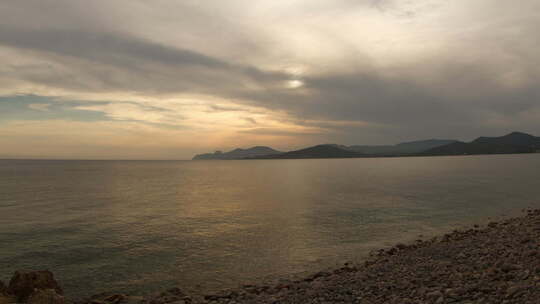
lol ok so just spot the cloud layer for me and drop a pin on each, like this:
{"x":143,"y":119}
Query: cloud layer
{"x":192,"y":76}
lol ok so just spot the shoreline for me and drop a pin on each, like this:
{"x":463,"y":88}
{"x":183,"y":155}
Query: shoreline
{"x":314,"y":158}
{"x":495,"y":263}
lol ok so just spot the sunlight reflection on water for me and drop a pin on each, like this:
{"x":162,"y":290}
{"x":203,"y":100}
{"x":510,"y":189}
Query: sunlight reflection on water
{"x":144,"y":226}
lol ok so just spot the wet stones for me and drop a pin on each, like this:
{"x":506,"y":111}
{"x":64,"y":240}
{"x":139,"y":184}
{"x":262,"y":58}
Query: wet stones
{"x":496,"y":264}
{"x":107,"y":298}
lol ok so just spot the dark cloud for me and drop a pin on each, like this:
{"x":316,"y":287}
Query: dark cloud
{"x":42,"y":108}
{"x":281,"y":132}
{"x":104,"y":47}
{"x":142,"y":65}
{"x":250,"y":120}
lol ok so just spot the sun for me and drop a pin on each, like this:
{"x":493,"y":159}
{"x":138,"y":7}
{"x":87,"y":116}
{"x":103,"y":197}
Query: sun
{"x":294,"y":84}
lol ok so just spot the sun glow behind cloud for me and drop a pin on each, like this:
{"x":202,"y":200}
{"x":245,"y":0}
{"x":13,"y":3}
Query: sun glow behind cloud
{"x":295,"y":84}
{"x":199,"y":76}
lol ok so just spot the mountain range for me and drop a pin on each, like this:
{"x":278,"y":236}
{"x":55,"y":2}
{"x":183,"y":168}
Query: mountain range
{"x":515,"y":142}
{"x":238,"y":153}
{"x":403,"y":148}
{"x":319,"y":151}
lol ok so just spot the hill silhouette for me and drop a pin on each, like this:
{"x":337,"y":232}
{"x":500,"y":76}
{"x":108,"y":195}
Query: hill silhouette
{"x":238,"y":153}
{"x":515,"y":142}
{"x":319,"y":151}
{"x":403,"y":148}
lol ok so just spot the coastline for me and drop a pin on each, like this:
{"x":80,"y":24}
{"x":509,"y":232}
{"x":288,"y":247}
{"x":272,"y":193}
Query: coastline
{"x":496,"y":263}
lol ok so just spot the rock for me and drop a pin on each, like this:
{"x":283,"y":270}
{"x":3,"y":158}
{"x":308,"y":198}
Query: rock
{"x":115,"y":298}
{"x":45,"y":296}
{"x":492,"y":224}
{"x":401,"y":246}
{"x":173,"y":295}
{"x":7,"y":299}
{"x":176,"y":291}
{"x":132,"y":300}
{"x":434,"y":295}
{"x":512,"y":291}
{"x":508,"y":267}
{"x":22,"y":284}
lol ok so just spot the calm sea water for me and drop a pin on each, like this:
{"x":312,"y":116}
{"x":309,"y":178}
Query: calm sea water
{"x":142,"y":226}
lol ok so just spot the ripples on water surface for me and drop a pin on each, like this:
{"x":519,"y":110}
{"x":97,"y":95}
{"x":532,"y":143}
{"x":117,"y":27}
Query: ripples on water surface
{"x":137,"y":226}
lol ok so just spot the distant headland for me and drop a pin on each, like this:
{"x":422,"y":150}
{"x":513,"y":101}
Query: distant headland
{"x":515,"y":142}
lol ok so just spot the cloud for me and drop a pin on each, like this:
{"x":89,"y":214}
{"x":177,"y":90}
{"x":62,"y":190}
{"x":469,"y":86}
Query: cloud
{"x":357,"y":72}
{"x":89,"y":61}
{"x":135,"y":112}
{"x":39,"y":106}
{"x":250,"y":120}
{"x":284,"y":132}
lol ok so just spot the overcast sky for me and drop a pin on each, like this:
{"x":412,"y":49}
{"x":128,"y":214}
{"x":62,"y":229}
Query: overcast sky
{"x":164,"y":79}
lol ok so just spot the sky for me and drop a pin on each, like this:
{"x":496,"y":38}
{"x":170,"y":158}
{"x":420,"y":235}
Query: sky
{"x":166,"y":79}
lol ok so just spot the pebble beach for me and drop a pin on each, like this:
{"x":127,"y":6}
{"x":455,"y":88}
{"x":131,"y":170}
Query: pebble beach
{"x":495,"y":263}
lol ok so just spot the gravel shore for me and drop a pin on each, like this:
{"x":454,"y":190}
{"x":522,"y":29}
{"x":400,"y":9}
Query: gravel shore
{"x":498,"y":263}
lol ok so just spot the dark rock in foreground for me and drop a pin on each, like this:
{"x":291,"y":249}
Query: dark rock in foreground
{"x":45,"y":296}
{"x":23,"y":284}
{"x":3,"y":288}
{"x":35,"y":287}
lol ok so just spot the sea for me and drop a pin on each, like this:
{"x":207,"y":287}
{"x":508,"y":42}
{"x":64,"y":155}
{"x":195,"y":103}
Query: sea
{"x":139,"y":227}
